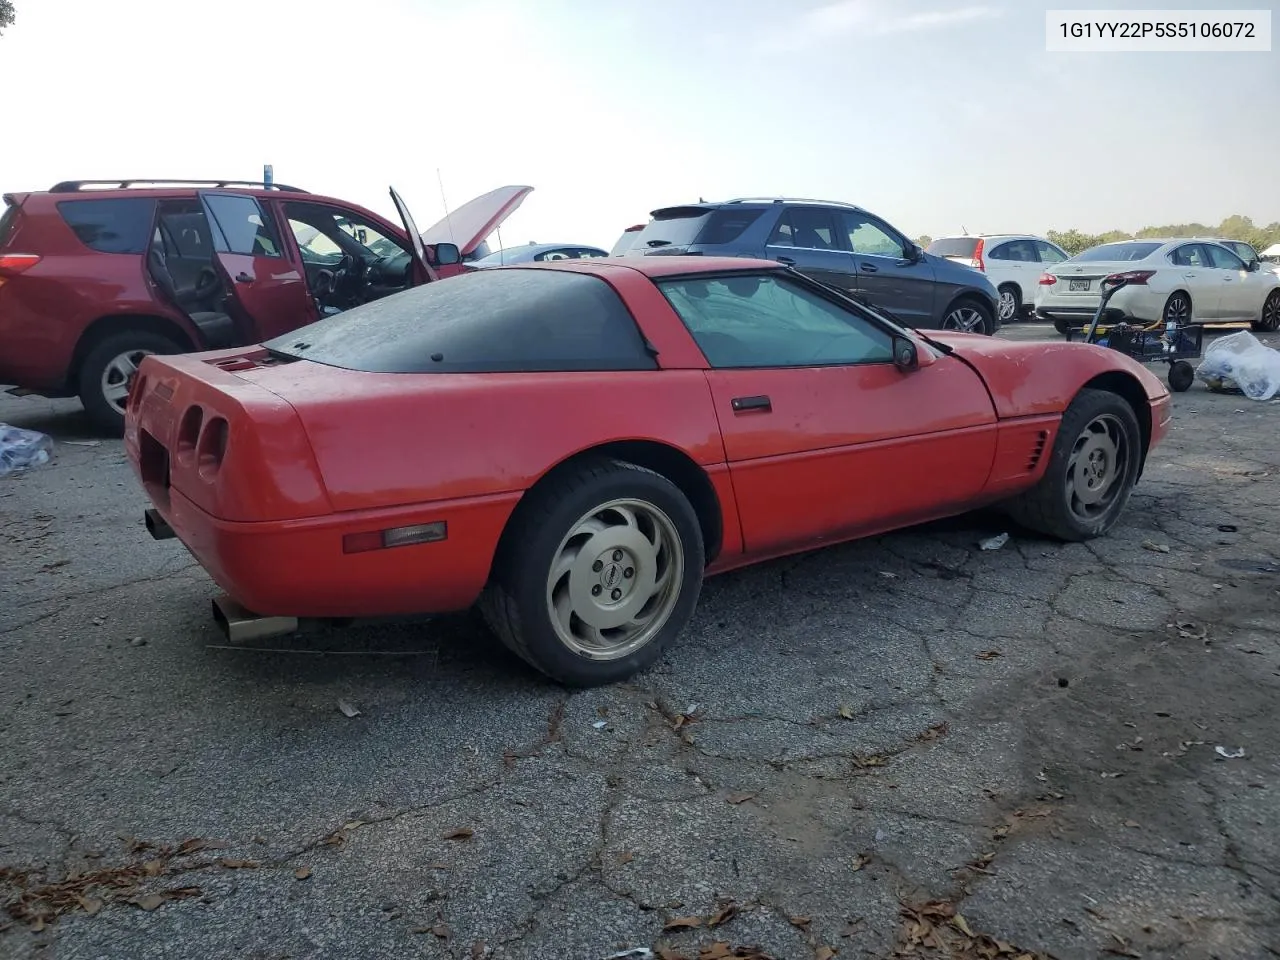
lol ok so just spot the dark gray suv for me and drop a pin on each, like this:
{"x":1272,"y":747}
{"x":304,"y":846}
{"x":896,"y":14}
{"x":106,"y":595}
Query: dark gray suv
{"x":836,"y":243}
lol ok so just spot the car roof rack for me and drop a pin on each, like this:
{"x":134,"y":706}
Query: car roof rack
{"x":72,"y":186}
{"x":826,"y":203}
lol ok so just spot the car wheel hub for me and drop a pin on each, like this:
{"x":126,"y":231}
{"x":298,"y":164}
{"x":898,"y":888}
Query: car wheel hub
{"x":1096,"y":466}
{"x":964,"y":319}
{"x":118,"y":375}
{"x":1006,"y":306}
{"x":615,"y":579}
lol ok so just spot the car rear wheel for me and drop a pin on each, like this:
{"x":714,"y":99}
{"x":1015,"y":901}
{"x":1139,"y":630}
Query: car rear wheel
{"x":1177,"y":309}
{"x":969,"y":316}
{"x":599,"y":571}
{"x":108,"y":370}
{"x":1269,"y":320}
{"x":1010,"y":305}
{"x":1091,"y":472}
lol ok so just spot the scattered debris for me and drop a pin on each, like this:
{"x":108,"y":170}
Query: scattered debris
{"x":1155,"y":547}
{"x":682,"y":923}
{"x":460,"y":833}
{"x":22,"y":449}
{"x":1229,"y":754}
{"x":600,"y":724}
{"x":723,"y":915}
{"x":739,"y":798}
{"x":847,"y":711}
{"x":639,"y":953}
{"x":861,"y":860}
{"x":347,"y":709}
{"x":988,"y":654}
{"x":994,"y":543}
{"x":938,"y":926}
{"x":153,"y":901}
{"x":1240,"y":361}
{"x":1228,"y":528}
{"x":302,"y":873}
{"x":935,"y":732}
{"x":888,"y":575}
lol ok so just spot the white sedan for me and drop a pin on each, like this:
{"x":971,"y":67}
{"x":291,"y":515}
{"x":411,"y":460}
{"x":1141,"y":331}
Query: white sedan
{"x":1181,"y":281}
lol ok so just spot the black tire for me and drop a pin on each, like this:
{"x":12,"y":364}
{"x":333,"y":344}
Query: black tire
{"x":986,"y":318}
{"x":1010,"y":301}
{"x":1061,"y":325}
{"x":1269,"y":320}
{"x":93,"y":373}
{"x":1181,"y":376}
{"x":1177,"y":309}
{"x":1048,"y":506}
{"x":516,"y":603}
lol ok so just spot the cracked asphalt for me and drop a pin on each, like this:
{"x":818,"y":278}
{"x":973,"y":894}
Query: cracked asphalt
{"x":1027,"y":736}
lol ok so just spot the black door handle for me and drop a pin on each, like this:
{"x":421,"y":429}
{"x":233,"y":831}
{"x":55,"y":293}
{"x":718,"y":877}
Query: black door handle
{"x":752,"y":403}
{"x":869,"y":268}
{"x":787,"y":260}
{"x":243,"y":277}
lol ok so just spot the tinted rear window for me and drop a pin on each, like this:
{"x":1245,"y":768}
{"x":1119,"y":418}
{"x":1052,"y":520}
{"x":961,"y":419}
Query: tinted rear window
{"x":962,"y":247}
{"x":1119,"y":251}
{"x":676,"y":227}
{"x":7,"y":221}
{"x":113,"y":225}
{"x":624,"y":243}
{"x":516,"y":319}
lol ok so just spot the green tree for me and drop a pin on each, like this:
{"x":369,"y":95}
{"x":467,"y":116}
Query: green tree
{"x":1234,"y":227}
{"x":6,"y":14}
{"x":923,"y":240}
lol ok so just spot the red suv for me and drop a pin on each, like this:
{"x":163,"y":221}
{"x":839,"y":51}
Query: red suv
{"x":95,"y":275}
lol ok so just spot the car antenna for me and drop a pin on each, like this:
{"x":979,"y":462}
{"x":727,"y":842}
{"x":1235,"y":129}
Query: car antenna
{"x":443,"y":200}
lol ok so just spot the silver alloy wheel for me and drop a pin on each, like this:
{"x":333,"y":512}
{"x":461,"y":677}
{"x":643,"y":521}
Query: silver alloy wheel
{"x":1008,"y":305}
{"x":1270,"y":318}
{"x":1098,"y":462}
{"x":964,"y":319}
{"x":615,"y":579}
{"x":118,"y":374}
{"x":1177,"y":310}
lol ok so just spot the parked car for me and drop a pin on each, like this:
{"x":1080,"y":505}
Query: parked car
{"x":1170,"y":280}
{"x":622,"y":246}
{"x":1013,"y":261}
{"x":538,"y":252}
{"x":96,"y":275}
{"x":837,"y":243}
{"x":765,"y":414}
{"x":1247,"y":253}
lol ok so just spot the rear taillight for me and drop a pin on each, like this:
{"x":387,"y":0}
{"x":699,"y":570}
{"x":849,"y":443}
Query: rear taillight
{"x":1047,"y":280}
{"x":212,"y":447}
{"x":1131,"y":277}
{"x":12,"y":264}
{"x":978,"y":263}
{"x":395,"y":537}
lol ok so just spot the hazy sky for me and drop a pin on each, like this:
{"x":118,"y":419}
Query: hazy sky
{"x":935,"y":115}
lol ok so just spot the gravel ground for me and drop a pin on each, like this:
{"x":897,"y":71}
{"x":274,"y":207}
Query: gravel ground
{"x":900,"y":743}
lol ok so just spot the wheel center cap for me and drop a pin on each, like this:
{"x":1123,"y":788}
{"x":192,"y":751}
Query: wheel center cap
{"x":611,"y":576}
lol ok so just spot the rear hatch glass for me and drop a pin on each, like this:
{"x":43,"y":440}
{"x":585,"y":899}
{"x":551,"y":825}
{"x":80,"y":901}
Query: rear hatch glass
{"x":962,"y":247}
{"x":8,"y":220}
{"x":675,"y":229}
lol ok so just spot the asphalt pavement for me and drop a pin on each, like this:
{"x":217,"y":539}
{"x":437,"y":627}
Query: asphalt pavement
{"x":902,"y":743}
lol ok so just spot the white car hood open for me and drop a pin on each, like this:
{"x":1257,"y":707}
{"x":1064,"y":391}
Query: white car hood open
{"x":471,"y":223}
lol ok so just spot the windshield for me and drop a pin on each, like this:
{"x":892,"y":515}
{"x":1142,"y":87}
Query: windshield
{"x":1111,"y":252}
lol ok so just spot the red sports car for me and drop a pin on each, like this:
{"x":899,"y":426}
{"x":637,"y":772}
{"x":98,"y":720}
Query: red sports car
{"x":575,"y":445}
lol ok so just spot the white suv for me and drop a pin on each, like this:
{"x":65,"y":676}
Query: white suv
{"x":1013,"y":262}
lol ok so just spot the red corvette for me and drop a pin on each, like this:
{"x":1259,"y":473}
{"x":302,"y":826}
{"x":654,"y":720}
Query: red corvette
{"x":575,"y":445}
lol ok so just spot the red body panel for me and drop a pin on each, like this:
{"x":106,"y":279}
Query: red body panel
{"x":316,"y":453}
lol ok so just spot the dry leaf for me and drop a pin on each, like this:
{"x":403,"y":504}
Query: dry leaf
{"x":90,"y":905}
{"x":347,"y":709}
{"x":860,"y":861}
{"x":626,"y":856}
{"x":477,"y":950}
{"x":302,"y":873}
{"x":737,"y":798}
{"x":847,"y":712}
{"x":800,"y":922}
{"x":238,"y":864}
{"x":961,"y":924}
{"x":682,"y":923}
{"x":195,"y":845}
{"x":1132,"y":824}
{"x":852,"y":927}
{"x":152,"y":901}
{"x":153,"y":868}
{"x":824,"y":953}
{"x":988,"y":654}
{"x":442,"y":931}
{"x":461,"y":833}
{"x":727,"y":913}
{"x":666,"y":953}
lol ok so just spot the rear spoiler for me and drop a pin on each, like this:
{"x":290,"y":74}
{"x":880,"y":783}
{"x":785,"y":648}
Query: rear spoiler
{"x":15,"y":199}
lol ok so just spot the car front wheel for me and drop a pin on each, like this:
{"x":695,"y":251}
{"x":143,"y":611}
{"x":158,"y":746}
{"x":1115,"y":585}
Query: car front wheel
{"x":1269,"y":320}
{"x":598,"y":573}
{"x":108,"y":370}
{"x":1177,"y":309}
{"x":1091,"y":471}
{"x":969,"y":316}
{"x":1010,"y":304}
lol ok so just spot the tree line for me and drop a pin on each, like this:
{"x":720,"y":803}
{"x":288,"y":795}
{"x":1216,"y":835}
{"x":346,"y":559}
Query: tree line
{"x":6,"y":14}
{"x":1235,"y":227}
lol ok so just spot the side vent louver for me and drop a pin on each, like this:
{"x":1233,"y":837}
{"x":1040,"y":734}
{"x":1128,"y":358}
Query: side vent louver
{"x":1037,"y":450}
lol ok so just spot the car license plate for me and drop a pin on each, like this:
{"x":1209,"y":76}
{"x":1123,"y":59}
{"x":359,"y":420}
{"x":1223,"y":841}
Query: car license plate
{"x":1079,"y":285}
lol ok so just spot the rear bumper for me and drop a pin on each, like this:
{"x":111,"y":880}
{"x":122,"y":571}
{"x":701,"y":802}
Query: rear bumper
{"x":298,"y":568}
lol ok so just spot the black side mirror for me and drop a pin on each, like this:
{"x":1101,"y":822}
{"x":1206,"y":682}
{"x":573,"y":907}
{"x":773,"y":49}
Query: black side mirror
{"x":915,"y":253}
{"x":1252,"y":266}
{"x":905,"y":356}
{"x":446,"y":254}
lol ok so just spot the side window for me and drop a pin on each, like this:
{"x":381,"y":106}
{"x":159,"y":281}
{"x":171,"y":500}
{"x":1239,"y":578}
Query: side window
{"x":1222,"y":258}
{"x":242,"y":225}
{"x":1049,"y":253}
{"x":556,"y":255}
{"x":367,"y":235}
{"x":765,"y":321}
{"x":807,"y":227}
{"x":110,"y":226}
{"x":314,"y":246}
{"x":1190,"y":255}
{"x":1000,"y":253}
{"x":184,"y":231}
{"x":867,"y":236}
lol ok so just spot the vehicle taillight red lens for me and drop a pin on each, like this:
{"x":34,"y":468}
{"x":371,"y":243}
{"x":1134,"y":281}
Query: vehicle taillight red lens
{"x":1047,"y":280}
{"x":978,"y":262}
{"x":1131,"y":277}
{"x":12,"y":264}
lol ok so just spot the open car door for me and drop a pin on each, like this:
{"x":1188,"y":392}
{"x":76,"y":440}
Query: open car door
{"x":266,"y":288}
{"x":423,"y":272}
{"x":471,"y":223}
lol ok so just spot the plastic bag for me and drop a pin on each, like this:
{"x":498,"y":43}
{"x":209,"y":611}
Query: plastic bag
{"x":20,"y":449}
{"x":1243,"y":361}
